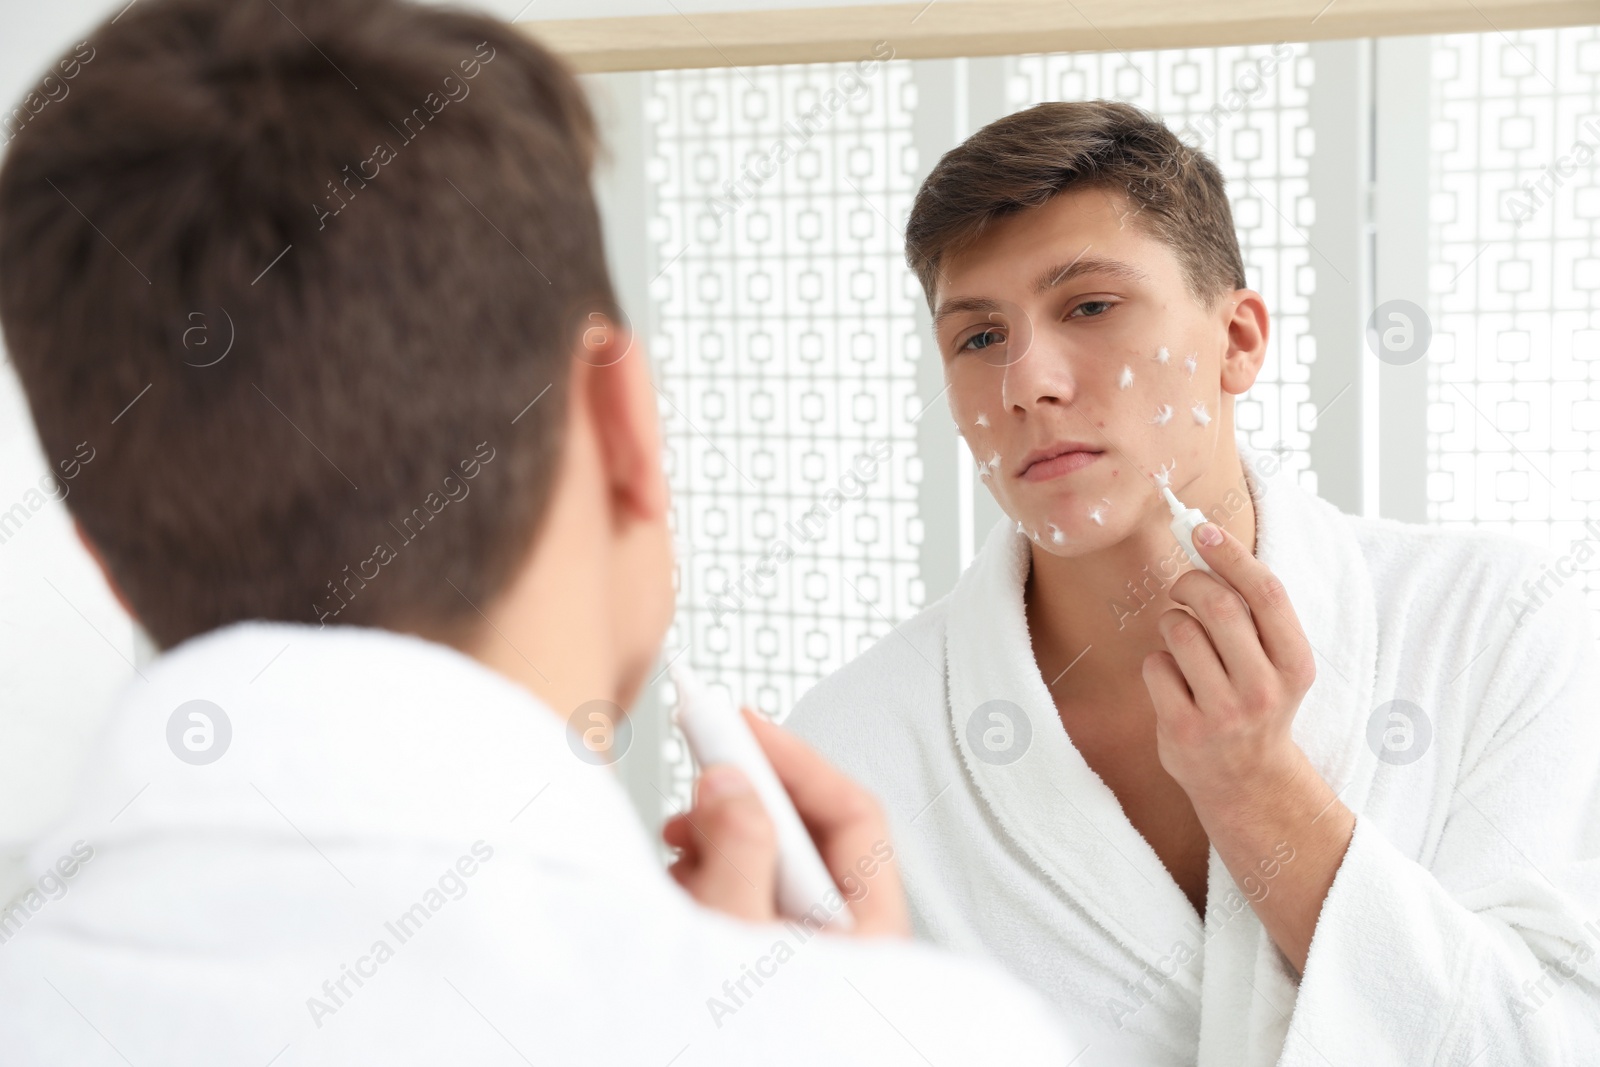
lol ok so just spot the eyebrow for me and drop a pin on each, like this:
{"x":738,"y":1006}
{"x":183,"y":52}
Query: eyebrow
{"x":1047,"y":280}
{"x":963,"y":305}
{"x":1065,"y":272}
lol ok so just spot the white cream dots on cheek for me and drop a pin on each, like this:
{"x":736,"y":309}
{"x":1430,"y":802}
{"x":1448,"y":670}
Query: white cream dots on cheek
{"x":1097,"y":514}
{"x":1191,"y":363}
{"x":1126,"y":378}
{"x":1162,"y":356}
{"x":982,"y":420}
{"x":1056,"y":536}
{"x":1201,"y":415}
{"x":1163,"y":415}
{"x":1163,"y":475}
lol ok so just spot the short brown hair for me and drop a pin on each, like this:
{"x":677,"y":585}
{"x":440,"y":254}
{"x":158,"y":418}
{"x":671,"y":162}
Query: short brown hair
{"x":1026,"y":158}
{"x":385,"y":210}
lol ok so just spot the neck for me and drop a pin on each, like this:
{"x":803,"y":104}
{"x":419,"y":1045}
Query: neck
{"x":1108,"y":602}
{"x":553,"y":655}
{"x":548,"y":631}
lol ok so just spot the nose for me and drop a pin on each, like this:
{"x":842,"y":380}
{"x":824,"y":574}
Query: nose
{"x":1041,"y":376}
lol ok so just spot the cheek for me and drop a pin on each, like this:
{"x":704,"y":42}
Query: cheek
{"x":1156,"y":396}
{"x":974,"y":397}
{"x":975,"y":410}
{"x":1156,"y":411}
{"x":984,"y":444}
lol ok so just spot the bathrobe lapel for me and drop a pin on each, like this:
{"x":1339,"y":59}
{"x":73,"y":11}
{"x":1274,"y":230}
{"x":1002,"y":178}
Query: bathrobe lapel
{"x":1313,"y":551}
{"x":1058,"y":810}
{"x":1048,"y":800}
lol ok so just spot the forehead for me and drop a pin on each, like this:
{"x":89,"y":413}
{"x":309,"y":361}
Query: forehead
{"x":1020,"y":255}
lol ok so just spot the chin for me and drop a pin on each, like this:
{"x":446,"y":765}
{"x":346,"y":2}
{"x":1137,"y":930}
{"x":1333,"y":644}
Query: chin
{"x":1077,"y":535}
{"x":632,"y":682}
{"x":635,"y":664}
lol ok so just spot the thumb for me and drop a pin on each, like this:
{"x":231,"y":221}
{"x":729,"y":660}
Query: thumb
{"x":734,"y":863}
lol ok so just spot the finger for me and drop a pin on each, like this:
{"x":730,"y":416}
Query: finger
{"x":736,"y":867}
{"x":825,"y":796}
{"x":1178,"y":722}
{"x":1168,"y":690}
{"x":1221,"y":610}
{"x":847,"y":824}
{"x":1196,"y":658}
{"x":677,"y":832}
{"x":1282,"y":636}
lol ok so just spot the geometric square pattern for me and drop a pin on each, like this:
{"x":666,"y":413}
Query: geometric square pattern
{"x":1514,"y":236}
{"x":786,"y":346}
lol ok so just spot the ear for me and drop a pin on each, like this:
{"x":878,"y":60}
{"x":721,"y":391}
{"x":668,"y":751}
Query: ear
{"x":615,"y":384}
{"x":105,"y":572}
{"x":1248,"y":327}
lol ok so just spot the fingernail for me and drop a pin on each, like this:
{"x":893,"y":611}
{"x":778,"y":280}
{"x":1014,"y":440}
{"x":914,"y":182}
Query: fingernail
{"x":722,"y":780}
{"x":1208,"y":533}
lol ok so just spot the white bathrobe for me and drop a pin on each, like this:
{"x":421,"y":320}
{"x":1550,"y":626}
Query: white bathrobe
{"x":1463,"y":926}
{"x":399,"y":859}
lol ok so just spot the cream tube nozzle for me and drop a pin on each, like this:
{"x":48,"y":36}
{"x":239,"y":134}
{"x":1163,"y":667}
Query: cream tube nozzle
{"x":1184,"y":521}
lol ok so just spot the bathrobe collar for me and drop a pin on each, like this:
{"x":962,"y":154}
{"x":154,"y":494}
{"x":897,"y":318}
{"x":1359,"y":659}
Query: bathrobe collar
{"x":1059,"y":811}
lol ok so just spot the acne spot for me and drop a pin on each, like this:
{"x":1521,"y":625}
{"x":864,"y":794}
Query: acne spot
{"x":1163,"y":415}
{"x":1201,"y":415}
{"x":1127,"y":377}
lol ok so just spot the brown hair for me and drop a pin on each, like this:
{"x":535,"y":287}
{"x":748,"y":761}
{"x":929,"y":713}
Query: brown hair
{"x":1024,"y":159}
{"x":293,"y":270}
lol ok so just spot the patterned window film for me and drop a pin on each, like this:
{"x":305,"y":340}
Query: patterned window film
{"x":1247,"y":109}
{"x":1514,"y":366}
{"x":786,"y":349}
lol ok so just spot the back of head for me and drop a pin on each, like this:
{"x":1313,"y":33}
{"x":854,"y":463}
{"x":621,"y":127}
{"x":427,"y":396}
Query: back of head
{"x":292,"y":269}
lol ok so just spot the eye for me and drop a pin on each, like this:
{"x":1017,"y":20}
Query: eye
{"x":1102,"y":307}
{"x":981,"y":340}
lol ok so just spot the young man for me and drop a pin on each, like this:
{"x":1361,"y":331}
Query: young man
{"x":1337,"y":802}
{"x":321,"y":283}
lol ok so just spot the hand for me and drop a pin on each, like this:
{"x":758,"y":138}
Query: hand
{"x":1225,"y":695}
{"x":1227,"y":689}
{"x":729,"y":851}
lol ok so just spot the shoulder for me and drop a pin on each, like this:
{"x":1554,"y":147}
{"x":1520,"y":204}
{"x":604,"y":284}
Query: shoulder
{"x":1479,"y":585}
{"x":892,"y":695}
{"x":1404,"y":555}
{"x":1506,"y":620}
{"x":965,"y":1007}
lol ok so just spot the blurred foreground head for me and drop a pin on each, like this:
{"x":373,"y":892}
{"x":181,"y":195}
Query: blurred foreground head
{"x":328,"y":251}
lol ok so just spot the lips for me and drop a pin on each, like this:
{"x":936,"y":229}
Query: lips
{"x":1060,"y":458}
